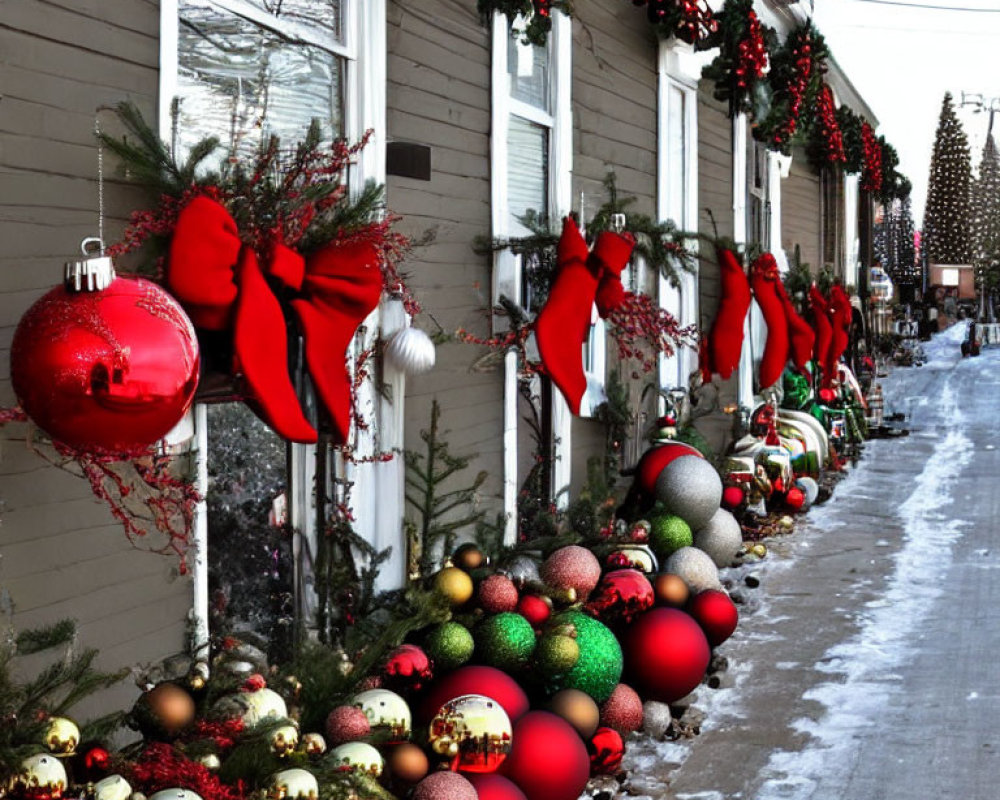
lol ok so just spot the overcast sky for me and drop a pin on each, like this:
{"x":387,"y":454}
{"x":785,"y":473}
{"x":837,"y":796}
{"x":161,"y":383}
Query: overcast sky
{"x":903,"y":55}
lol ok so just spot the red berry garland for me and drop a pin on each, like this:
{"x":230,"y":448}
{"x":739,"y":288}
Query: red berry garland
{"x":830,"y":147}
{"x":743,"y":58}
{"x":690,"y":21}
{"x":871,"y":175}
{"x":752,"y":58}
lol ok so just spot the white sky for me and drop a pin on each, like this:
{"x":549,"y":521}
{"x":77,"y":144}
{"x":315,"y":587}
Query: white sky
{"x":902,"y":60}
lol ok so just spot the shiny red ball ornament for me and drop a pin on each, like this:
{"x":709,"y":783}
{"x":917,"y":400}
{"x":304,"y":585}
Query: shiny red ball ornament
{"x":666,"y":654}
{"x":90,"y":763}
{"x":716,"y":614}
{"x":732,"y":497}
{"x":490,"y":786}
{"x":408,"y":668}
{"x":623,"y":710}
{"x":548,"y":759}
{"x":109,"y":371}
{"x":827,"y":396}
{"x":487,"y":681}
{"x":621,"y":596}
{"x":534,"y":609}
{"x":655,"y":459}
{"x":795,"y":498}
{"x":497,"y":593}
{"x":607,"y":749}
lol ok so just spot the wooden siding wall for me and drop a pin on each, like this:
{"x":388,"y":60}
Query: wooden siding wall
{"x":614,"y":129}
{"x":800,"y":212}
{"x":439,"y":95}
{"x":62,"y":553}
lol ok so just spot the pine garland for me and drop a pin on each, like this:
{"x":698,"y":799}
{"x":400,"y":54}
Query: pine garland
{"x":690,"y":21}
{"x":738,"y":70}
{"x":871,"y":175}
{"x":536,"y":13}
{"x":826,"y":143}
{"x":850,"y":130}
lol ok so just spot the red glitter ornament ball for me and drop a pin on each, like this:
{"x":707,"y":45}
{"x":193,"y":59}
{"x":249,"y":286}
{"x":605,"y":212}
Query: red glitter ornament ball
{"x":346,"y":724}
{"x":621,"y":596}
{"x":548,"y":760}
{"x":487,"y":681}
{"x":606,"y":749}
{"x":534,"y":609}
{"x":444,"y":786}
{"x":490,"y":786}
{"x":407,"y":668}
{"x":623,"y":710}
{"x":572,"y":567}
{"x":497,"y":594}
{"x":666,"y":654}
{"x":108,"y":371}
{"x":732,"y":498}
{"x":655,"y":459}
{"x":716,"y":614}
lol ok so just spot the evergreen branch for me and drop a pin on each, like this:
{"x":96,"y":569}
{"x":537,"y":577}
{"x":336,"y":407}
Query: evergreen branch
{"x":55,"y":635}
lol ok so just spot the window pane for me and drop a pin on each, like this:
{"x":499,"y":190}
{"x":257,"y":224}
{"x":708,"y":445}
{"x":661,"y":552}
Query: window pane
{"x":242,"y":82}
{"x":527,"y":169}
{"x":677,"y":148}
{"x":326,"y":15}
{"x":528,"y":70}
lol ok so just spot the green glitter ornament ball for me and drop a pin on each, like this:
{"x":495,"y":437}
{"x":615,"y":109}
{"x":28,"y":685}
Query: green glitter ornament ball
{"x":599,"y":666}
{"x":669,"y":533}
{"x":449,"y":645}
{"x":505,"y":641}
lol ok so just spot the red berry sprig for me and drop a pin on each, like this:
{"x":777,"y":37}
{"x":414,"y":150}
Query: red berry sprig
{"x":751,"y":55}
{"x":689,"y":20}
{"x":826,"y":119}
{"x":871,"y":174}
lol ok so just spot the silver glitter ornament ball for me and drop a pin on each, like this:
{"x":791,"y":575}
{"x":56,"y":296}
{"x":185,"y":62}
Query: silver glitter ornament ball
{"x":690,"y":487}
{"x":695,"y":567}
{"x":721,"y":538}
{"x":655,"y":718}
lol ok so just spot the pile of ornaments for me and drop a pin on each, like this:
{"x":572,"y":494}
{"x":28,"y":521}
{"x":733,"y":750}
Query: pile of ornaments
{"x":532,"y":686}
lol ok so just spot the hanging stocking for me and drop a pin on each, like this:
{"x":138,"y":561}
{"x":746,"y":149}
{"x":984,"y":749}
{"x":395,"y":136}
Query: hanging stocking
{"x":840,"y":320}
{"x":725,"y":339}
{"x":824,"y":332}
{"x":764,"y":279}
{"x":801,"y":337}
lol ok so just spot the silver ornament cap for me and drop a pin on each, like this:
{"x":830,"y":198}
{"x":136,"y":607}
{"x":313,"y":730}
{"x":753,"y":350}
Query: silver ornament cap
{"x":94,"y":272}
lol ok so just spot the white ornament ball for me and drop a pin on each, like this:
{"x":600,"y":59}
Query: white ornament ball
{"x":809,"y":488}
{"x":721,"y":538}
{"x":292,"y":784}
{"x":695,"y":567}
{"x":358,"y":756}
{"x":113,"y":787}
{"x":254,"y":707}
{"x":411,"y":351}
{"x":41,"y":771}
{"x":175,"y":794}
{"x":690,"y":487}
{"x":655,"y":718}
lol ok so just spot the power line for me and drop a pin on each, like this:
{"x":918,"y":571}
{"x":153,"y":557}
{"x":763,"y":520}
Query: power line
{"x":930,"y":7}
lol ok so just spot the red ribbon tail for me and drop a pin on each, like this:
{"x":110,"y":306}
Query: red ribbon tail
{"x":260,"y":344}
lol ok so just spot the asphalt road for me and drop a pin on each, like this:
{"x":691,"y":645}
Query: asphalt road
{"x":870,"y":668}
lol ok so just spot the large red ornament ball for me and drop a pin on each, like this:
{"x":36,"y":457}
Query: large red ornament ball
{"x":491,"y":786}
{"x":534,"y":609}
{"x":666,"y":654}
{"x":572,"y":567}
{"x":655,"y":459}
{"x":444,"y":786}
{"x":497,"y":594}
{"x":623,"y":710}
{"x":548,"y":759}
{"x":108,"y":371}
{"x":408,"y":668}
{"x":716,"y":614}
{"x":607,"y":749}
{"x":621,"y":596}
{"x":487,"y":681}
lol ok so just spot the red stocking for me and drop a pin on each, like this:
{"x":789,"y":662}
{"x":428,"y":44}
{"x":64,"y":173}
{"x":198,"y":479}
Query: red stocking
{"x":824,"y":332}
{"x":725,"y":339}
{"x":802,"y":337}
{"x":840,"y":319}
{"x":764,"y":278}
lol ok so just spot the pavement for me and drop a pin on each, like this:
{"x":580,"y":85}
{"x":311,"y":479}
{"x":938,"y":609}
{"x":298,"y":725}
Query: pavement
{"x":864,"y":666}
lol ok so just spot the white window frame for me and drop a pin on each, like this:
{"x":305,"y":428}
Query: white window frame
{"x":507,"y":275}
{"x":851,"y":245}
{"x":364,"y":49}
{"x":679,"y":68}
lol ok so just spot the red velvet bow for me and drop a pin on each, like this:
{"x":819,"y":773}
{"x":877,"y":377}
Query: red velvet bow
{"x":585,"y":277}
{"x":221,"y":285}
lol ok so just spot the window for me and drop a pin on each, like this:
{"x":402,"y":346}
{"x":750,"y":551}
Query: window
{"x":758,"y":206}
{"x":243,"y":70}
{"x":832,"y":219}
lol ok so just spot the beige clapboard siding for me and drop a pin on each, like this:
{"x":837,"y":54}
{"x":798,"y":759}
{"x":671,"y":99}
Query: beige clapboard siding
{"x":61,"y":553}
{"x":800,"y":211}
{"x":439,"y":95}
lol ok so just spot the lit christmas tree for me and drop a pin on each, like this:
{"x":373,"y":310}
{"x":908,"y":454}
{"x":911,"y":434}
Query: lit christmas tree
{"x":894,"y":238}
{"x":947,"y":217}
{"x":986,"y":220}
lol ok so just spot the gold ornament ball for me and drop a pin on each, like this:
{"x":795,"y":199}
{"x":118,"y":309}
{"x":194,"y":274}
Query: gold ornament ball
{"x":41,"y":772}
{"x":292,"y":784}
{"x":61,"y":736}
{"x":759,"y":550}
{"x":671,"y":590}
{"x":468,"y":557}
{"x":284,"y":739}
{"x":408,"y":763}
{"x":113,"y":787}
{"x":578,"y":709}
{"x":455,"y":585}
{"x":357,"y":757}
{"x":172,"y":707}
{"x":313,"y":744}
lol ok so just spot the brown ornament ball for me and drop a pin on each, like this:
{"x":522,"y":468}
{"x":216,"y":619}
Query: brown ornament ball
{"x":578,"y":709}
{"x":671,"y":590}
{"x":623,"y":710}
{"x":408,"y":763}
{"x":497,"y":594}
{"x":347,"y":724}
{"x":454,"y":584}
{"x":171,"y":706}
{"x":468,"y":557}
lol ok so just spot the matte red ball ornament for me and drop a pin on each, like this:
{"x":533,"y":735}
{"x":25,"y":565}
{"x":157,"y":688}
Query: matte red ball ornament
{"x":548,"y":759}
{"x":408,"y":668}
{"x":621,"y":596}
{"x":623,"y":710}
{"x":607,"y":749}
{"x":105,"y":371}
{"x":346,"y":724}
{"x":795,"y":499}
{"x":732,"y":498}
{"x":534,"y":609}
{"x":666,"y":654}
{"x":716,"y":614}
{"x":655,"y":459}
{"x":490,"y":786}
{"x":497,"y":593}
{"x":487,"y":681}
